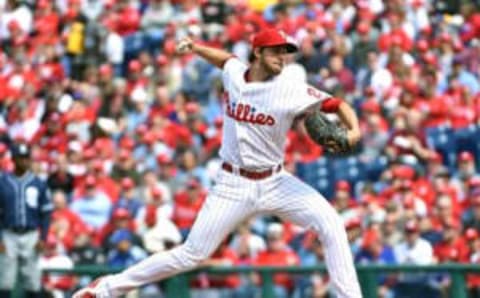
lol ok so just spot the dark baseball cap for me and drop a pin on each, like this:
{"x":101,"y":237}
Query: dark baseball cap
{"x":273,"y":37}
{"x":20,"y":150}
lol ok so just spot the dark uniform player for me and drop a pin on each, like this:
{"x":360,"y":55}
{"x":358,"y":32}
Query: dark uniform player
{"x":25,"y":209}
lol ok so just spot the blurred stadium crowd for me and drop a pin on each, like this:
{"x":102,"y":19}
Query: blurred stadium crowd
{"x":126,"y":132}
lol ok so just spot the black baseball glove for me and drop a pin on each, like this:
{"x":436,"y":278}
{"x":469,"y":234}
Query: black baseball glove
{"x":329,"y":135}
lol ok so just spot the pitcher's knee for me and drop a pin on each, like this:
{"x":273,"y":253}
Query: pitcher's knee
{"x":334,"y":229}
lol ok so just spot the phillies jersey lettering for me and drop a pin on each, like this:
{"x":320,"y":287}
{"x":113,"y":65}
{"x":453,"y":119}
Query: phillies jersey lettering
{"x":253,"y":136}
{"x":246,"y":113}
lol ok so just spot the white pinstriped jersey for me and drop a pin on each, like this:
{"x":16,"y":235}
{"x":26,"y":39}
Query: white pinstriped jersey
{"x":258,"y":115}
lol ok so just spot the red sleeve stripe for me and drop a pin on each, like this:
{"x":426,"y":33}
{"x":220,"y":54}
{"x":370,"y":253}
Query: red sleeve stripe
{"x":331,"y":105}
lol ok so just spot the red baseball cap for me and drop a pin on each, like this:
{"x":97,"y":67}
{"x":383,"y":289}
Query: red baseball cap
{"x":163,"y":159}
{"x":90,"y":180}
{"x":436,"y":157}
{"x":105,"y":69}
{"x":127,"y":183}
{"x":134,"y":65}
{"x":193,"y":183}
{"x":422,"y":45}
{"x":411,"y":226}
{"x":354,"y":222}
{"x":342,"y":185}
{"x":121,"y":213}
{"x":474,"y":182}
{"x":371,"y":106}
{"x":471,"y":234}
{"x":127,"y":143}
{"x":273,"y":37}
{"x":363,"y":28}
{"x":465,"y":156}
{"x":404,"y":172}
{"x":98,"y":165}
{"x":156,"y":193}
{"x":370,"y":237}
{"x":124,"y":154}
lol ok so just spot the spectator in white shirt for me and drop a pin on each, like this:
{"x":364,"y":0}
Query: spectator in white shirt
{"x":56,"y":285}
{"x":414,"y":249}
{"x":17,"y":11}
{"x":92,"y":9}
{"x":114,"y":49}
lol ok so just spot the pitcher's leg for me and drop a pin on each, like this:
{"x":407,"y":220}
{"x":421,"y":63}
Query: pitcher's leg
{"x":295,"y":201}
{"x":215,"y":220}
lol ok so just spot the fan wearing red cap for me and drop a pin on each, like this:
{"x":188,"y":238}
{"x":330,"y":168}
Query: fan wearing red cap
{"x":466,"y":165}
{"x":120,"y":219}
{"x":375,"y":250}
{"x":342,"y":199}
{"x":260,"y":105}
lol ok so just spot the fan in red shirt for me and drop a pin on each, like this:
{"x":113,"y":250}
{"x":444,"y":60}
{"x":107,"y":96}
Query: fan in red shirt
{"x":51,"y":70}
{"x":187,"y":205}
{"x":5,"y":160}
{"x":214,"y":140}
{"x":473,"y":242}
{"x":396,"y":34}
{"x":128,"y":18}
{"x":442,"y":186}
{"x":136,"y":78}
{"x":104,"y":182}
{"x":46,"y":23}
{"x":372,"y":113}
{"x":463,"y":112}
{"x":442,"y":212}
{"x":161,"y":105}
{"x":222,"y":257}
{"x":277,"y":254}
{"x":66,"y":224}
{"x":452,"y":247}
{"x":439,"y":110}
{"x":464,"y":174}
{"x":51,"y":135}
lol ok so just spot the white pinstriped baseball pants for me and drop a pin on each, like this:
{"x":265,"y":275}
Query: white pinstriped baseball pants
{"x":230,"y":201}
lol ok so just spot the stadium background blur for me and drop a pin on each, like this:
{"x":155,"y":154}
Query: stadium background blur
{"x":126,"y":132}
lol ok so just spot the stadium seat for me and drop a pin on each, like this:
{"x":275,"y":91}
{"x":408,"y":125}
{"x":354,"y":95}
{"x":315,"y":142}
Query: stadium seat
{"x":375,"y":168}
{"x":317,"y":174}
{"x":442,"y":140}
{"x":134,"y":43}
{"x":349,"y":169}
{"x":466,"y":140}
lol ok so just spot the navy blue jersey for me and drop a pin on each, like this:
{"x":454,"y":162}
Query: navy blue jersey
{"x":25,"y":203}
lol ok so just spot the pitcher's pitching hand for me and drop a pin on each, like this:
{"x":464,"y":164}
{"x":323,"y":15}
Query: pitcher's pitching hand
{"x":184,"y":46}
{"x":93,"y":290}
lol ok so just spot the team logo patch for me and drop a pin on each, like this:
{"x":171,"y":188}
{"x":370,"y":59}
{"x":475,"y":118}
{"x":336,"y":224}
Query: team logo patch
{"x":31,"y":196}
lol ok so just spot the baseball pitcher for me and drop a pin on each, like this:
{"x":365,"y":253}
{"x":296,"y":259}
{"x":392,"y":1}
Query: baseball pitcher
{"x":259,"y":108}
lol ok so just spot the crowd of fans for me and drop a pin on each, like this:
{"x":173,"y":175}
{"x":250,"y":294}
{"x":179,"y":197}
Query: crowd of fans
{"x":127,"y":133}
